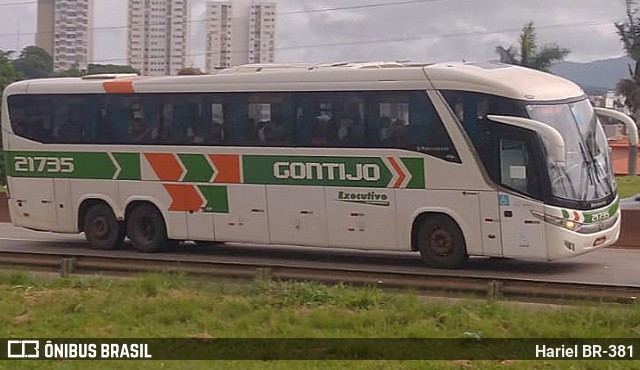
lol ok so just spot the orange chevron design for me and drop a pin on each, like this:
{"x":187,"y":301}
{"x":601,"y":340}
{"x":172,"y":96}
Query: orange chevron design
{"x":398,"y":169}
{"x":121,"y":86}
{"x":165,"y":165}
{"x":184,"y":197}
{"x":228,"y":166}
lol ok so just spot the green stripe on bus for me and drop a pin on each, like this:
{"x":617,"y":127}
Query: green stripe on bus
{"x":595,"y":216}
{"x":316,"y":171}
{"x":197,"y":166}
{"x":217,"y":198}
{"x":75,"y":165}
{"x":78,"y":165}
{"x":416,"y":168}
{"x":129,"y":164}
{"x":329,"y":171}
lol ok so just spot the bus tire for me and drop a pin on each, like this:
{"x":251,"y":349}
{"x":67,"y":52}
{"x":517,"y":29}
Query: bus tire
{"x":146,"y":229}
{"x":441,"y":243}
{"x":102,"y":229}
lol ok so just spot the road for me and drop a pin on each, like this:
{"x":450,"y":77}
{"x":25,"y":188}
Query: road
{"x":606,"y":266}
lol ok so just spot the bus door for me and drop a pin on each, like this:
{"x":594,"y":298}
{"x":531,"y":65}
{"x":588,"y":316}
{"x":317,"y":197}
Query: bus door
{"x":33,"y":201}
{"x":510,"y":153}
{"x":65,"y":211}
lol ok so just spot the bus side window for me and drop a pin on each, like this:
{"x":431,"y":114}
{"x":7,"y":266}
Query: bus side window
{"x":68,"y":120}
{"x":31,"y":116}
{"x":338,"y":120}
{"x":305,"y":119}
{"x":271,"y":120}
{"x":472,"y":107}
{"x":428,"y":133}
{"x":214,"y":122}
{"x":117,"y":118}
{"x":394,"y":120}
{"x":235,"y":111}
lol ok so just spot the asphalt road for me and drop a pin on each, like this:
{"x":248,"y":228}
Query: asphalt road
{"x":605,"y":266}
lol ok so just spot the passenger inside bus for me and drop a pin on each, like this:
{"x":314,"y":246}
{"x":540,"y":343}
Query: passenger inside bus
{"x":137,"y":132}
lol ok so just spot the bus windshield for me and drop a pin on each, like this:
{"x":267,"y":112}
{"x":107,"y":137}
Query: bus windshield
{"x":586,"y":174}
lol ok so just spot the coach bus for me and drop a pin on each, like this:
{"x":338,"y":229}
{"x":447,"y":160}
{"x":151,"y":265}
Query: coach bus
{"x":448,"y":160}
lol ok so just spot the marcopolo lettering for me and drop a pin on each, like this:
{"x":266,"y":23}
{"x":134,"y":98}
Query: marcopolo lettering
{"x":328,"y":171}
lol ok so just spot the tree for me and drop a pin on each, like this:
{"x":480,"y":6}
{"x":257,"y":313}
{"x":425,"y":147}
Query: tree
{"x":529,"y":54}
{"x":71,"y":72}
{"x":190,"y":71}
{"x":34,"y":62}
{"x":93,"y":69}
{"x":629,"y":32}
{"x":8,"y":74}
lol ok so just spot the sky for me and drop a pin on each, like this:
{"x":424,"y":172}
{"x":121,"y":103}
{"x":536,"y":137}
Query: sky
{"x":391,"y":30}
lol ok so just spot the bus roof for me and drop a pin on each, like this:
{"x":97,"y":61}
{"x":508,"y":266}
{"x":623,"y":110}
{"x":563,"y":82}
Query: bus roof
{"x":503,"y":80}
{"x":491,"y":78}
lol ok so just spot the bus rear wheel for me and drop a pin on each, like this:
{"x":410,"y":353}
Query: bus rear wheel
{"x":146,"y":229}
{"x":441,"y":243}
{"x":102,"y":229}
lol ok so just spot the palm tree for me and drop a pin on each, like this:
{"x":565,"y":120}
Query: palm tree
{"x":529,"y":55}
{"x":629,"y":32}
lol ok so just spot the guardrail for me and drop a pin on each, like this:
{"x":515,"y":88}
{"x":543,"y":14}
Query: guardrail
{"x":430,"y":283}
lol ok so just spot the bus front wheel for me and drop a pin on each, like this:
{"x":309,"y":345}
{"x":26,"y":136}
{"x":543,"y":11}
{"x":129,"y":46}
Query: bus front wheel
{"x":441,"y":243}
{"x":146,"y":229}
{"x":102,"y":229}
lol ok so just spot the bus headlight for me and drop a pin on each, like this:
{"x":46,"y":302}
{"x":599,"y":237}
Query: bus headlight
{"x":558,"y":221}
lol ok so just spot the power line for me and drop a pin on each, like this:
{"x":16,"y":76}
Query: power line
{"x":363,"y":6}
{"x":408,"y":38}
{"x":282,"y":14}
{"x":19,"y":3}
{"x":345,"y":43}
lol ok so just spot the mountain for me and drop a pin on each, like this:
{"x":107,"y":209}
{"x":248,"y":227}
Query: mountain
{"x":598,"y":76}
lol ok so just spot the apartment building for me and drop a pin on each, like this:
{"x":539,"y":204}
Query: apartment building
{"x":239,"y":32}
{"x":219,"y":21}
{"x":158,"y":39}
{"x":64,"y":30}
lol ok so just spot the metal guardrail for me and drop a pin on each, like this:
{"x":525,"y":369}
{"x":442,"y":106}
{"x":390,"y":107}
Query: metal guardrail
{"x":427,"y":283}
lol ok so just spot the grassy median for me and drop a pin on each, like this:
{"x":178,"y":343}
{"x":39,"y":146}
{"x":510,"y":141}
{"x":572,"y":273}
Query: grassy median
{"x":176,"y":306}
{"x":628,"y":186}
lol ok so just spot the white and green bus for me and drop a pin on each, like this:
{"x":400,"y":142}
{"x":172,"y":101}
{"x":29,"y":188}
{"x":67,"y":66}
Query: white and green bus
{"x":449,"y":160}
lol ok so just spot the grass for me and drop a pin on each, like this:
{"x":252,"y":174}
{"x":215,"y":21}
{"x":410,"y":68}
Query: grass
{"x":173,"y":306}
{"x":628,"y":186}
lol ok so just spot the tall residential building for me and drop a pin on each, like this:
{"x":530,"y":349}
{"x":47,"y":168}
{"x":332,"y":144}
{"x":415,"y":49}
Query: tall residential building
{"x":218,"y":35}
{"x":64,"y":30}
{"x":158,"y":36}
{"x":239,"y":32}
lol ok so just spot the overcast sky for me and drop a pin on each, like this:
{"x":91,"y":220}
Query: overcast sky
{"x":425,"y":31}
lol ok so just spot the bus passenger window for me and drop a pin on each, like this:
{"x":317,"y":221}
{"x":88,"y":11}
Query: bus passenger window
{"x":408,"y":120}
{"x":213,"y":124}
{"x":394,"y":122}
{"x":338,"y":120}
{"x":271,"y":120}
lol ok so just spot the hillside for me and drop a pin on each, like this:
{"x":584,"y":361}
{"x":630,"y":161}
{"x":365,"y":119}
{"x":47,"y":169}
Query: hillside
{"x":595,"y":77}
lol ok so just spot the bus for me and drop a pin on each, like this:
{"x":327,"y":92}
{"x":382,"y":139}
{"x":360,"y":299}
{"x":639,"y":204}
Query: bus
{"x":449,"y":160}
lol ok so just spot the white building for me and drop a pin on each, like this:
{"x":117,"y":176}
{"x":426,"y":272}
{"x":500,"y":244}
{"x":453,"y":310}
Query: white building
{"x":64,"y":30}
{"x":239,"y":32}
{"x":158,"y":42}
{"x":218,"y":35}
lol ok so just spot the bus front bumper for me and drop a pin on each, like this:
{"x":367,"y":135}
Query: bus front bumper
{"x":570,"y":243}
